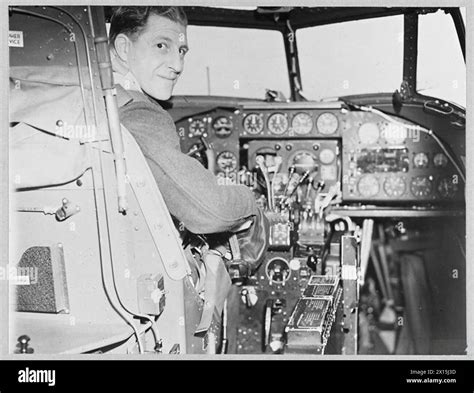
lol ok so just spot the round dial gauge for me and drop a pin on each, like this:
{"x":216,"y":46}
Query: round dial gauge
{"x":394,"y":186}
{"x":420,"y":160}
{"x":368,"y":186}
{"x":304,"y":161}
{"x":197,"y":128}
{"x":327,"y":156}
{"x":226,"y":161}
{"x":369,"y":133}
{"x":278,"y":123}
{"x":222,"y":127}
{"x":421,"y":186}
{"x":447,"y":188}
{"x":253,"y":123}
{"x":302,"y":123}
{"x":327,"y":123}
{"x":440,"y":160}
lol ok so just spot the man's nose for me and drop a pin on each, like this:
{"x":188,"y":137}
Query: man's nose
{"x":176,"y":62}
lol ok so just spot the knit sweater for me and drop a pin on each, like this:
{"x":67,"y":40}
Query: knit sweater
{"x":190,"y":191}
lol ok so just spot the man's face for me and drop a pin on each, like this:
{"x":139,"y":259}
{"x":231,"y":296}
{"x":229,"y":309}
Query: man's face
{"x":156,"y":56}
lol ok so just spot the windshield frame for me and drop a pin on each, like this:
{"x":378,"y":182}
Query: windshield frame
{"x":410,"y":49}
{"x":288,"y":20}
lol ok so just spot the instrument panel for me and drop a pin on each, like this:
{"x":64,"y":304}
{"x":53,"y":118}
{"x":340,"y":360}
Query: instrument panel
{"x":303,"y":160}
{"x":385,"y":161}
{"x":375,"y":158}
{"x":292,"y":123}
{"x":318,"y":157}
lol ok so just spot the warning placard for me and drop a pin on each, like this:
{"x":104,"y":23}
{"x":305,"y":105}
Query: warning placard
{"x":15,"y":38}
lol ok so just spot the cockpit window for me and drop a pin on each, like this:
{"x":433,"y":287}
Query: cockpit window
{"x":356,"y":57}
{"x":441,"y":69}
{"x":233,"y":62}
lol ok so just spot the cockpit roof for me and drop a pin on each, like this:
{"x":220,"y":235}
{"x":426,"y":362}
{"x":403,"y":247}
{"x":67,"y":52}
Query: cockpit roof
{"x":276,"y":17}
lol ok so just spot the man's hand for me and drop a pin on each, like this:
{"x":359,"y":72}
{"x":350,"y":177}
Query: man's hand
{"x":254,"y":241}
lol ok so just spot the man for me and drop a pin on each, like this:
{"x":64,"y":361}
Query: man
{"x":148,"y":46}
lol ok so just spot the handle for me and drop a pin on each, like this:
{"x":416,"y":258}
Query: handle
{"x":436,"y":106}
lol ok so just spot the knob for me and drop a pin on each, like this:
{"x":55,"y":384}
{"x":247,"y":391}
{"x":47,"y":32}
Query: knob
{"x":239,"y":271}
{"x":312,"y":262}
{"x":276,"y":275}
{"x":23,"y":345}
{"x":320,"y":186}
{"x":249,"y":297}
{"x":244,"y":294}
{"x":159,"y":346}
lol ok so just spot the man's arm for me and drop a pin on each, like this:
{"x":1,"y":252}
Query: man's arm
{"x":190,"y":191}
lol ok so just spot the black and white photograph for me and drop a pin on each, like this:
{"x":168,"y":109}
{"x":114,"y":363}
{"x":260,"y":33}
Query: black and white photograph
{"x":235,"y":182}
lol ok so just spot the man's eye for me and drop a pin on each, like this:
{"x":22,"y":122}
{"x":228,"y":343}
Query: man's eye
{"x":183,"y":51}
{"x":161,"y":45}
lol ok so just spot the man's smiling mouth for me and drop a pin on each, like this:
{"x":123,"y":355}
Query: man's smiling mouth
{"x":169,"y":79}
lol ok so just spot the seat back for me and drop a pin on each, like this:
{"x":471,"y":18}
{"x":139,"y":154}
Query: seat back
{"x":82,"y":269}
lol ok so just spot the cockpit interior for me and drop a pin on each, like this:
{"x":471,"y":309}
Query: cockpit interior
{"x":366,"y":255}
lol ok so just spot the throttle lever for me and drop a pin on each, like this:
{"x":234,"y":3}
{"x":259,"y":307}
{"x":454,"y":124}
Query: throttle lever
{"x":300,"y":182}
{"x":291,"y":171}
{"x":310,"y":185}
{"x":210,"y":154}
{"x":206,"y":144}
{"x":267,"y":324}
{"x":263,"y":168}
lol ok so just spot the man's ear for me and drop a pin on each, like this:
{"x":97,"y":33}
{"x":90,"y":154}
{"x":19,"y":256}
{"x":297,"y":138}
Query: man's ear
{"x":122,"y":46}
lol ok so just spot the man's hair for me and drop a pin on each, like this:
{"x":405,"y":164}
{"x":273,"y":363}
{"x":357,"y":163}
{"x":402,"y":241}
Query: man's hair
{"x":131,"y":20}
